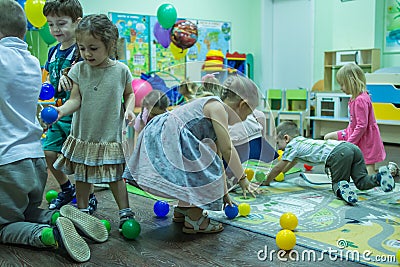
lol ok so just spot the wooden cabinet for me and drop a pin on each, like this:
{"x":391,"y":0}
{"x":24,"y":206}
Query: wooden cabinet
{"x":367,"y":59}
{"x":332,"y":105}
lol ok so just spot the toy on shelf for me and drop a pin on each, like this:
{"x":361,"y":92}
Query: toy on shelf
{"x":214,"y":61}
{"x":236,"y":62}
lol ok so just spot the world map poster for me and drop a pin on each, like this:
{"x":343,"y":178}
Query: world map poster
{"x":215,"y":35}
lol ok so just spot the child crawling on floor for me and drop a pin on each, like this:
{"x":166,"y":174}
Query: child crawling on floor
{"x":342,"y":160}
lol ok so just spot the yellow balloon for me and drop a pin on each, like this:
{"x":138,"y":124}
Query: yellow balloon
{"x":280,"y":177}
{"x":34,"y":12}
{"x":285,"y":239}
{"x":178,"y":53}
{"x":288,"y":221}
{"x":244,"y":209}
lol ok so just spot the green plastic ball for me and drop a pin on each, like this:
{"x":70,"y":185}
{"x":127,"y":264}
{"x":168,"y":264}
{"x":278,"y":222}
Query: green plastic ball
{"x":131,"y":229}
{"x":260,"y":176}
{"x":50,"y":195}
{"x":107,"y":225}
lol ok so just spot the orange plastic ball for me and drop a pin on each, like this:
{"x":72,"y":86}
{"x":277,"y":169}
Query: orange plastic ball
{"x":285,"y":239}
{"x":288,"y":221}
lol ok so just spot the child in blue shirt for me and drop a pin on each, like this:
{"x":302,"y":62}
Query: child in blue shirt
{"x":62,"y":17}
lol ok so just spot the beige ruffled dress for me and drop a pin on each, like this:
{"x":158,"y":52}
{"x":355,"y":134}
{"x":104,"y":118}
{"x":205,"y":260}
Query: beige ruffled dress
{"x":93,"y":151}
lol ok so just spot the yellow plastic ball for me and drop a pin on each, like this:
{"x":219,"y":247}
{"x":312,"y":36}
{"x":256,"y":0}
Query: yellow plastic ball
{"x":280,"y":177}
{"x":249,"y":173}
{"x":244,"y":209}
{"x":285,"y":239}
{"x":280,"y":153}
{"x":398,"y":256}
{"x":288,"y":221}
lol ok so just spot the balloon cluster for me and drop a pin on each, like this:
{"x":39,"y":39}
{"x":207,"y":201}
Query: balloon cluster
{"x":178,"y":35}
{"x":34,"y":13}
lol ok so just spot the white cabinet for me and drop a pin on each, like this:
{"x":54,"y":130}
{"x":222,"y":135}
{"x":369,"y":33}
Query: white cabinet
{"x":332,"y":105}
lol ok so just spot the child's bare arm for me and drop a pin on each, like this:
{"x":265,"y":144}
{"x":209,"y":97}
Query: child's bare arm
{"x":129,"y":102}
{"x":72,"y":104}
{"x":216,"y":112}
{"x":291,"y":165}
{"x":280,"y":167}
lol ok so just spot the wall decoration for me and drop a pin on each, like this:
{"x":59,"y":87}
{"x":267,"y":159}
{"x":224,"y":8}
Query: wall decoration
{"x":392,"y":26}
{"x":134,"y":39}
{"x":212,"y":35}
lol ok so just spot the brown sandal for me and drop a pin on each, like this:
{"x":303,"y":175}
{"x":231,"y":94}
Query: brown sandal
{"x":182,"y":213}
{"x":212,"y":227}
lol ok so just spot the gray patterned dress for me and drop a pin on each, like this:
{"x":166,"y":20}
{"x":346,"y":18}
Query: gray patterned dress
{"x":175,"y":157}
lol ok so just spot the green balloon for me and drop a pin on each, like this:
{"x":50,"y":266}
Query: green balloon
{"x":166,"y":15}
{"x":44,"y":32}
{"x":131,"y":229}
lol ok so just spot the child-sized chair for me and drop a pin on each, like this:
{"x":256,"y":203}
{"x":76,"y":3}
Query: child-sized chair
{"x":296,"y":108}
{"x":274,"y":103}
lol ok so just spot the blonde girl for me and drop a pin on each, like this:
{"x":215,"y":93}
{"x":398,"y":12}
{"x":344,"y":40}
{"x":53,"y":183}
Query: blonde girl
{"x":362,"y":130}
{"x":180,"y":154}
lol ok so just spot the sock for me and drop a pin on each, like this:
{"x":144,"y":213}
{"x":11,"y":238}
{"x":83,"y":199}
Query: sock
{"x":85,"y":210}
{"x":67,"y":186}
{"x":54,"y":217}
{"x":47,"y":237}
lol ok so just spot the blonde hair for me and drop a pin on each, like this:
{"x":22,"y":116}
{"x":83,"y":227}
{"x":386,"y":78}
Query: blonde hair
{"x":237,"y":87}
{"x":210,"y":86}
{"x":155,"y":99}
{"x":188,"y":89}
{"x":352,"y":77}
{"x":12,"y":19}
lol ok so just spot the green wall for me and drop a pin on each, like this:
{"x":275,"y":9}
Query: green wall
{"x":245,"y":17}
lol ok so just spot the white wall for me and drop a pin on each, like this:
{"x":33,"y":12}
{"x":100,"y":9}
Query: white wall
{"x":342,"y":25}
{"x":293,"y":42}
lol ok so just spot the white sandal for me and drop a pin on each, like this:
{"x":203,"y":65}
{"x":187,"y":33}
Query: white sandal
{"x":212,"y":227}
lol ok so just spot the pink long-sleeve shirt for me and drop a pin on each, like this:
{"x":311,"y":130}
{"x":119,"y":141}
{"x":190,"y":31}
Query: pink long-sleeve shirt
{"x":363,"y":130}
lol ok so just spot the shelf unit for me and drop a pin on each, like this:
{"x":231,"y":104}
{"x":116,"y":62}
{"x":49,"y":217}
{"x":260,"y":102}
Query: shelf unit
{"x":367,"y":59}
{"x":332,"y":105}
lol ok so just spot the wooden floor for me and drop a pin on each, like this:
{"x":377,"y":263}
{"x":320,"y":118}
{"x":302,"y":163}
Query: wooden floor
{"x":162,"y":242}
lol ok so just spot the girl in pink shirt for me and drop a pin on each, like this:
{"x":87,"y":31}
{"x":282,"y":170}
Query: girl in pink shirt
{"x":362,"y":130}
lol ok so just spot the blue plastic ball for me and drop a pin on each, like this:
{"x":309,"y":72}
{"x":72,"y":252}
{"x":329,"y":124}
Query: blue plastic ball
{"x":49,"y":115}
{"x":47,"y":92}
{"x":231,"y":211}
{"x":161,"y":208}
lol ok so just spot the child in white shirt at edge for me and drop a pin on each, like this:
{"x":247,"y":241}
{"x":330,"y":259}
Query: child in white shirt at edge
{"x":23,"y":173}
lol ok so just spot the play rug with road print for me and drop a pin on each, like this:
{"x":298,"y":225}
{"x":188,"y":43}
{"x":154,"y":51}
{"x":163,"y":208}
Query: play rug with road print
{"x":368,"y":232}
